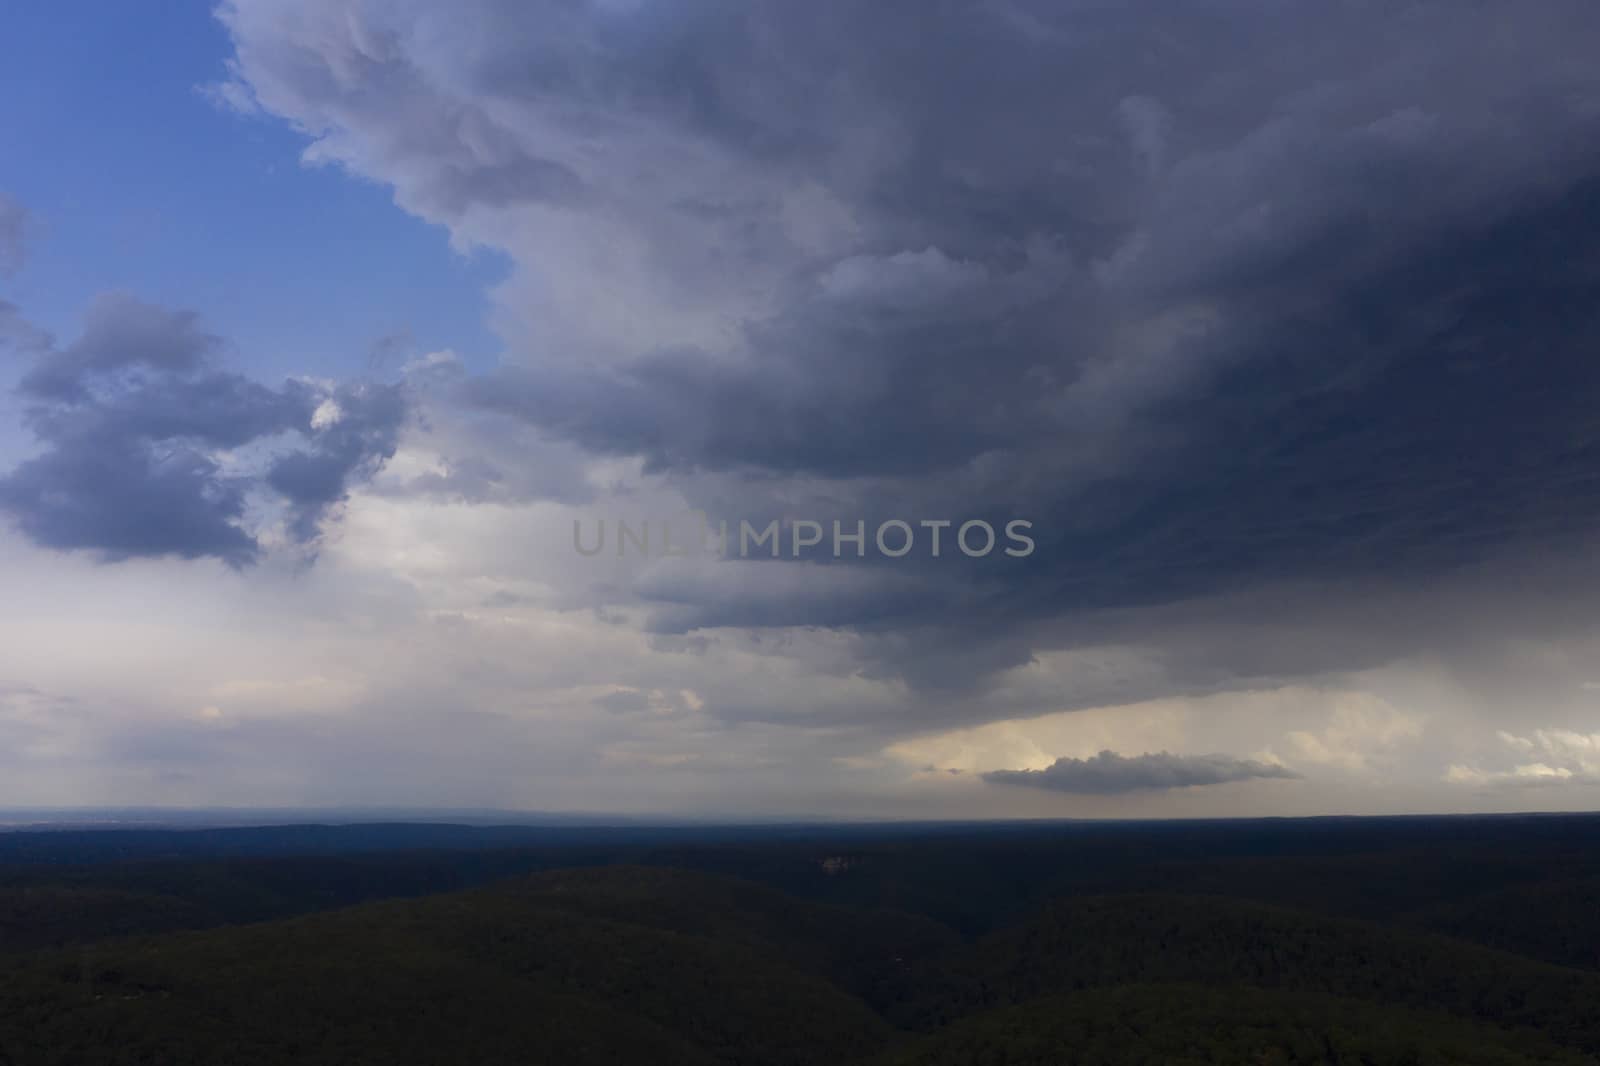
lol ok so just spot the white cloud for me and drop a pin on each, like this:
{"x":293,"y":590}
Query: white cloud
{"x":1566,"y":757}
{"x":1361,"y":731}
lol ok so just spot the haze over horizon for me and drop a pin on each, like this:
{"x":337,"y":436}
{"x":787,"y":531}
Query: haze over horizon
{"x":324,"y":324}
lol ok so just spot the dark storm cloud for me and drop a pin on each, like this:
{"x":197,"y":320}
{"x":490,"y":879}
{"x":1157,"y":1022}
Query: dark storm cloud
{"x":1109,"y":773}
{"x":136,"y":426}
{"x":1419,"y":419}
{"x":126,"y":498}
{"x":901,"y":366}
{"x":361,"y":434}
{"x":1224,"y":296}
{"x":122,"y":333}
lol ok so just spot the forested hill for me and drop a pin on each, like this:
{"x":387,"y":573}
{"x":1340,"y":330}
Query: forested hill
{"x":1335,"y":941}
{"x":631,"y":964}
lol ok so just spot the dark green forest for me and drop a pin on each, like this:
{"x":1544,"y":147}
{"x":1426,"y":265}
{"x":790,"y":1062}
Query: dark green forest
{"x":1403,"y":941}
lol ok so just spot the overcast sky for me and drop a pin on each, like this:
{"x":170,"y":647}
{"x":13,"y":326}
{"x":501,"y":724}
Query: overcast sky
{"x":324,"y":324}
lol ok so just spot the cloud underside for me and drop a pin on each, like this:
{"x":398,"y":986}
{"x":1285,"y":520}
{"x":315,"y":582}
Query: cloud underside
{"x":1214,"y":322}
{"x":1109,"y":773}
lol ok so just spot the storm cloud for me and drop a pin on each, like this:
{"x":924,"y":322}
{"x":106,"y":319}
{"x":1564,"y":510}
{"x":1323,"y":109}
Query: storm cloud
{"x":1222,"y":296}
{"x":1109,"y":773}
{"x":1276,"y":319}
{"x":145,"y":441}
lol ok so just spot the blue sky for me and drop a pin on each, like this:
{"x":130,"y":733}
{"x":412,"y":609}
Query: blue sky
{"x":137,"y":181}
